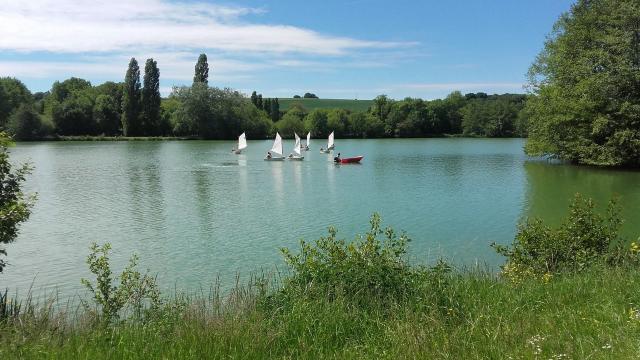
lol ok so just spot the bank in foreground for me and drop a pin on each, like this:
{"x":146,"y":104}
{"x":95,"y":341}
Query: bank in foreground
{"x":363,"y":299}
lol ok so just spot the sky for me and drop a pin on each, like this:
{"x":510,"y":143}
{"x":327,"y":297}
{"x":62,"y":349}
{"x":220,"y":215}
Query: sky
{"x":347,"y":49}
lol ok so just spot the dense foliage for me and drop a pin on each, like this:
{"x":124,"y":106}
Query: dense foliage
{"x":133,"y":108}
{"x":370,"y":267}
{"x":583,"y":239}
{"x":469,"y":115}
{"x":587,"y":82}
{"x":213,"y":113}
{"x":15,"y":206}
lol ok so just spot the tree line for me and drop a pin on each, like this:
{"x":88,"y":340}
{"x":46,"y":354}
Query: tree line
{"x":132,"y":108}
{"x":473,"y":114}
{"x":135,"y":108}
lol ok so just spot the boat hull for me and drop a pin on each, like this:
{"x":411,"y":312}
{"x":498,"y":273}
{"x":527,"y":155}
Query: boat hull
{"x":274,"y":159}
{"x":351,"y":160}
{"x":296,"y":158}
{"x":237,"y":152}
{"x":325,"y":151}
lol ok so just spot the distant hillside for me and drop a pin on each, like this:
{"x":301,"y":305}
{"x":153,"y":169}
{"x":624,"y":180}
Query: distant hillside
{"x":311,"y":104}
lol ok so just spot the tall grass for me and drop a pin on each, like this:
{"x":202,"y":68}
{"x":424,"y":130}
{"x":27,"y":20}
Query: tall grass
{"x":358,"y":299}
{"x":592,"y":314}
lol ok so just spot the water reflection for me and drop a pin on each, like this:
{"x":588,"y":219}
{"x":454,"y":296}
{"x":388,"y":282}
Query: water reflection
{"x":550,"y":188}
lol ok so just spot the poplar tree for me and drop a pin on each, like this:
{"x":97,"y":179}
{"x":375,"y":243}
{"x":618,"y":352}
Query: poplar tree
{"x":267,"y":106}
{"x":131,"y":100}
{"x":202,"y":70}
{"x":259,"y":103}
{"x":254,"y":98}
{"x":275,"y":110}
{"x":151,"y":98}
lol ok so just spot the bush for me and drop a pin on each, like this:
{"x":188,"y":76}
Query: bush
{"x":584,"y":238}
{"x":15,"y":206}
{"x":368,"y":267}
{"x":133,"y":291}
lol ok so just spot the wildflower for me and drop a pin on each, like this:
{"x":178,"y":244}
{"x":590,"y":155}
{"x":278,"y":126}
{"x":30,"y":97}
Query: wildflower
{"x":547,"y":277}
{"x":606,"y":346}
{"x":634,"y":314}
{"x":535,"y":343}
{"x":635,"y":247}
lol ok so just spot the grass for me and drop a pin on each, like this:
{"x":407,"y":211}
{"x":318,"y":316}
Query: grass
{"x":352,"y":300}
{"x":312,"y":104}
{"x":588,"y":315}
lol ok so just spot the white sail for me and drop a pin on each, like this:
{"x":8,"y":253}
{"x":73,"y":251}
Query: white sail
{"x":242,"y":142}
{"x":330,"y":143}
{"x":296,"y":149}
{"x":277,"y":145}
{"x":308,"y":138}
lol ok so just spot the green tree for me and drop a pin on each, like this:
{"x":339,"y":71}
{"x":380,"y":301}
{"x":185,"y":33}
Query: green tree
{"x":316,"y":121}
{"x":289,"y":124}
{"x":60,"y":91}
{"x":587,"y":86}
{"x":202,"y":70}
{"x":131,"y":100}
{"x":151,"y":98}
{"x":259,"y":102}
{"x":267,"y":106}
{"x":337,"y":120}
{"x":13,"y":93}
{"x":75,"y":115}
{"x":357,"y":124}
{"x":254,"y":99}
{"x":275,"y":110}
{"x":25,"y":124}
{"x":106,"y":114}
{"x":15,"y":206}
{"x":213,"y":113}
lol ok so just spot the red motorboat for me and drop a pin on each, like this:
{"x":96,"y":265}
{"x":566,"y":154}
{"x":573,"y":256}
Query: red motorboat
{"x":351,"y":160}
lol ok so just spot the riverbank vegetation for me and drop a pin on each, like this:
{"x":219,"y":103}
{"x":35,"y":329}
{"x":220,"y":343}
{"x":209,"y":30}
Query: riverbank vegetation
{"x":362,"y":298}
{"x":586,"y":82}
{"x":74,"y":109}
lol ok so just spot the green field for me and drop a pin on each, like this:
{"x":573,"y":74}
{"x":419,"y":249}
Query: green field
{"x":312,"y":104}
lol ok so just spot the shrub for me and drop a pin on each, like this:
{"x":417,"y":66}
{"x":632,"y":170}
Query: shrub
{"x":133,"y":291}
{"x":15,"y":206}
{"x":584,"y":238}
{"x":369,"y":267}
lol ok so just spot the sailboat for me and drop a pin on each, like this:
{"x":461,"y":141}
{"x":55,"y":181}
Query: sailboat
{"x":242,"y":144}
{"x":275,"y":154}
{"x":296,"y":155}
{"x":330,"y":145}
{"x":306,"y":146}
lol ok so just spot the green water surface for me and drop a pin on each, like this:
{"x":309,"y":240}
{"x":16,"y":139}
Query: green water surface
{"x":193,"y":211}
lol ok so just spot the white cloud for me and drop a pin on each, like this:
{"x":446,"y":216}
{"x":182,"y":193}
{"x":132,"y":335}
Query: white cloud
{"x":80,"y":26}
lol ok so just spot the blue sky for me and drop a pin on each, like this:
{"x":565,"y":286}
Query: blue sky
{"x":336,"y":49}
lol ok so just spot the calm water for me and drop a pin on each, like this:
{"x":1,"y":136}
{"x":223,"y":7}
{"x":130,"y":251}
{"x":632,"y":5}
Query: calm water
{"x":194,"y":211}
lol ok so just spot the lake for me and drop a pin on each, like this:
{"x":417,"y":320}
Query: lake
{"x":193,"y":211}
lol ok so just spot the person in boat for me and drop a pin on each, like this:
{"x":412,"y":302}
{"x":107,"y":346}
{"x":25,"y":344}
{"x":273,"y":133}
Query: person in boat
{"x":233,"y":149}
{"x":337,"y":158}
{"x":268,"y":154}
{"x":321,"y":148}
